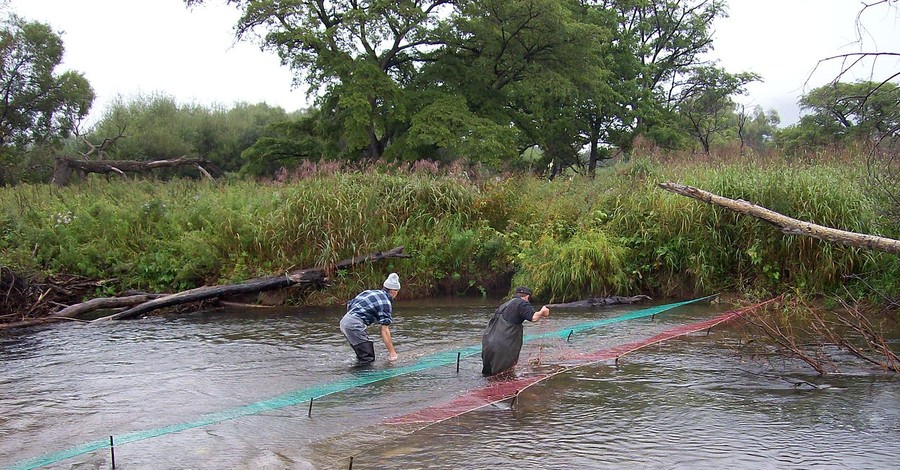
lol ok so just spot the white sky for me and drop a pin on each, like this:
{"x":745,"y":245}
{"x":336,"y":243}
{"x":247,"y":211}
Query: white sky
{"x":783,"y":40}
{"x":131,"y":47}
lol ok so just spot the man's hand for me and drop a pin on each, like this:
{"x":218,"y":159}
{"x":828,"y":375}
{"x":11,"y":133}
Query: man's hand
{"x":392,"y":357}
{"x":544,"y":312}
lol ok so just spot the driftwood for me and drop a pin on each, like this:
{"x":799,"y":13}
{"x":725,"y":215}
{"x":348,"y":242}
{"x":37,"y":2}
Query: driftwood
{"x":601,"y":302}
{"x":65,"y":166}
{"x":787,"y":224}
{"x":74,"y":311}
{"x":310,"y":278}
{"x":31,"y":299}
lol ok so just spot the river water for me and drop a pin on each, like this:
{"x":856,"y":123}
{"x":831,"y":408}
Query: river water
{"x":231,"y":390}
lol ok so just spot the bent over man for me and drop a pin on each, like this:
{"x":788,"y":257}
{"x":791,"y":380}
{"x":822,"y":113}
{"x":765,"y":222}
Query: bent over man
{"x":366,"y":308}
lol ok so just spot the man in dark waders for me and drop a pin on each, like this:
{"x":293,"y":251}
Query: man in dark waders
{"x":367,"y":308}
{"x":502,"y":339}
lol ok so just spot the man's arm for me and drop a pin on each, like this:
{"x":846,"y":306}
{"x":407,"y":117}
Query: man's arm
{"x":386,"y":336}
{"x":544,"y":312}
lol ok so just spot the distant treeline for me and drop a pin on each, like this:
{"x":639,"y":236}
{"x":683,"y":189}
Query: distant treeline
{"x":552,"y":86}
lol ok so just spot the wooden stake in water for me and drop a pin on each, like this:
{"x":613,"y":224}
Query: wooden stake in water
{"x":112,"y":452}
{"x":515,"y":397}
{"x":310,"y":408}
{"x":351,"y":463}
{"x":570,"y":335}
{"x":458,"y":355}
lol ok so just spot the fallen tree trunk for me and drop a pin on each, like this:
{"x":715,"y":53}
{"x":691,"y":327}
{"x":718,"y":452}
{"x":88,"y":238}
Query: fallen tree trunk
{"x":312,"y":277}
{"x":601,"y":302}
{"x":65,"y":166}
{"x":72,"y":312}
{"x":787,"y":224}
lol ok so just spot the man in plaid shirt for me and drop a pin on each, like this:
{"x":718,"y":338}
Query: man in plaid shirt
{"x":367,"y":308}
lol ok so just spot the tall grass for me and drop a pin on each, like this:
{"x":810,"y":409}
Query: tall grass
{"x":617,"y":233}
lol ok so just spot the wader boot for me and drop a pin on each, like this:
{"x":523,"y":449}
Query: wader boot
{"x":365,"y":352}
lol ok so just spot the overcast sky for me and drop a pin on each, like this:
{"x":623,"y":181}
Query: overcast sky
{"x":138,"y":47}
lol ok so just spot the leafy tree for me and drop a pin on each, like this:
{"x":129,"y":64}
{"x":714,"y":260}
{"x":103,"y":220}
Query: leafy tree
{"x":224,"y":134}
{"x":284,"y":144}
{"x":157,"y":127}
{"x":37,"y":105}
{"x":839,"y":113}
{"x":756,"y":128}
{"x":484,"y":79}
{"x":855,"y":110}
{"x":363,"y":53}
{"x":405,"y":78}
{"x":667,"y":39}
{"x":528,"y":63}
{"x":704,"y":100}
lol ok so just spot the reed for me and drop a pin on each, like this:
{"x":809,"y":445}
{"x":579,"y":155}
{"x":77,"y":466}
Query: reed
{"x":616,"y":233}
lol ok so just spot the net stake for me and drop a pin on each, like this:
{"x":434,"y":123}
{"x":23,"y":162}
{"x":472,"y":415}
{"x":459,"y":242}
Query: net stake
{"x":457,"y":361}
{"x":310,"y":408}
{"x":570,"y":335}
{"x":351,"y":463}
{"x":112,"y":452}
{"x":515,"y":397}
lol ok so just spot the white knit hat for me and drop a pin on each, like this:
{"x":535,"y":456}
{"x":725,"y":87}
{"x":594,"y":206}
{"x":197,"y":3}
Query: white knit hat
{"x":392,"y":282}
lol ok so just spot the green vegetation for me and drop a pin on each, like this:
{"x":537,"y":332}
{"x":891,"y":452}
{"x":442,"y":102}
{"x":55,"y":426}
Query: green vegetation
{"x":38,"y":106}
{"x":570,"y":238}
{"x":546,"y":89}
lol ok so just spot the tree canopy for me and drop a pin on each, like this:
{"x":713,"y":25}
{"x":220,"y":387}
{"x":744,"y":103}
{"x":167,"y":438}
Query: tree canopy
{"x":484,"y":80}
{"x":37,"y":105}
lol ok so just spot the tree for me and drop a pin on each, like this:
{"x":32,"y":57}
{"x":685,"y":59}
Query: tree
{"x":403,"y":79}
{"x":36,"y":105}
{"x":842,"y":113}
{"x":364,"y":53}
{"x":484,"y":79}
{"x":756,"y":128}
{"x":854,"y":110}
{"x":650,"y":45}
{"x":527,"y":63}
{"x":283,"y":144}
{"x":156,"y":127}
{"x":704,"y":100}
{"x":668,"y":38}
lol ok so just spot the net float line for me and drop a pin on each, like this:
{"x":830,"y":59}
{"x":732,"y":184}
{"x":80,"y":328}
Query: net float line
{"x":501,"y":391}
{"x":316,"y":392}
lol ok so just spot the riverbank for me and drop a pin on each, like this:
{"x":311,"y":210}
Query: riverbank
{"x":571,"y":238}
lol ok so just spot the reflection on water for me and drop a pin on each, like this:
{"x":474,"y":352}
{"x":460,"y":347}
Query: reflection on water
{"x":691,"y":402}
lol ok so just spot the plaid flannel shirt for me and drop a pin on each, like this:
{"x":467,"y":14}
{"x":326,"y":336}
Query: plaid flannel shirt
{"x":371,"y":306}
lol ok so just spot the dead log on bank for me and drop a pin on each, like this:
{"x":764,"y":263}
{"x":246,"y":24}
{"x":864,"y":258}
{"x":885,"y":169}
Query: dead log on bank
{"x":787,"y":224}
{"x":32,"y":299}
{"x":65,"y":166}
{"x":308,"y":278}
{"x":72,"y":312}
{"x":601,"y":302}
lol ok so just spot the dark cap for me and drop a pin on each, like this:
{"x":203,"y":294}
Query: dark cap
{"x":523,"y":290}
